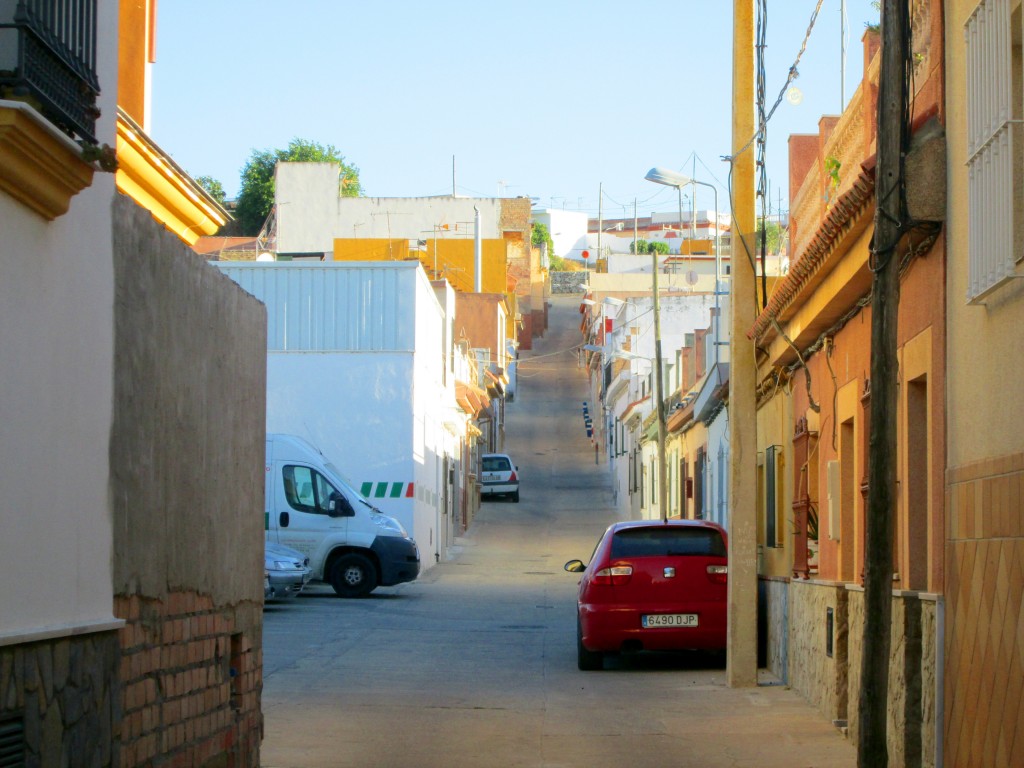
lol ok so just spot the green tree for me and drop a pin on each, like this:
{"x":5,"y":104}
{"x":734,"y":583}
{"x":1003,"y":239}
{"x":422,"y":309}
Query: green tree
{"x":657,"y":247}
{"x":256,"y":194}
{"x":539,"y":235}
{"x":639,"y":246}
{"x":774,"y":234}
{"x":214,"y":187}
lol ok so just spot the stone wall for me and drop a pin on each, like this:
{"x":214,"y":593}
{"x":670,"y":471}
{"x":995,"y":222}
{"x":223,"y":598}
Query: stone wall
{"x":568,"y":282}
{"x":62,"y":696}
{"x":186,"y":457}
{"x":912,"y":659}
{"x":820,"y":678}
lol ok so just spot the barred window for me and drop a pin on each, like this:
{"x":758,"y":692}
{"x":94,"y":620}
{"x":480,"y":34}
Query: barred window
{"x":994,"y":151}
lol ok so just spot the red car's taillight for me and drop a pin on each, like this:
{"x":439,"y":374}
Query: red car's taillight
{"x":719,"y":574}
{"x":616,"y":575}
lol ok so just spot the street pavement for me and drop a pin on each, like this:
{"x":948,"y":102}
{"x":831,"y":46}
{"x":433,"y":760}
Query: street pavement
{"x":474,"y":664}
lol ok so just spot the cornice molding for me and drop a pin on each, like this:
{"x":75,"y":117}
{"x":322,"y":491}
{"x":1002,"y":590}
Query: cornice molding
{"x":39,"y":166}
{"x":149,"y":176}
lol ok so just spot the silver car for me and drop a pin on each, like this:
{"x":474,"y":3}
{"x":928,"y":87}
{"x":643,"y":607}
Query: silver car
{"x":499,"y":476}
{"x":287,"y":571}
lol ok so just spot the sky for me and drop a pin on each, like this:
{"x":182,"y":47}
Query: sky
{"x":566,"y":101}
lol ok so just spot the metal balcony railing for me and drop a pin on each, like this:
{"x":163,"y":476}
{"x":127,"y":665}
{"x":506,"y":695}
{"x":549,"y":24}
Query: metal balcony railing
{"x":48,"y":58}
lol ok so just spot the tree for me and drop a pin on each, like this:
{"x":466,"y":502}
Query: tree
{"x":774,"y":235}
{"x":256,"y":194}
{"x":214,"y":187}
{"x":642,"y":247}
{"x":540,"y":236}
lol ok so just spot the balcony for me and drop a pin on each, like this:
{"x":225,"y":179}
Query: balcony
{"x":48,"y":60}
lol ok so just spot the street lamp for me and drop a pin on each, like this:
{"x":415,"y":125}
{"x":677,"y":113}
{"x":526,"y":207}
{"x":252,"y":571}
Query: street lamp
{"x":678,"y":180}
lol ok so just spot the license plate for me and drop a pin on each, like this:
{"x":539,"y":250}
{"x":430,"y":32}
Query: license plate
{"x":668,"y":620}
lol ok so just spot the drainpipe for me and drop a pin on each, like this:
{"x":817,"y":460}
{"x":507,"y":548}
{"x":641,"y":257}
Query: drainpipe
{"x":478,"y":252}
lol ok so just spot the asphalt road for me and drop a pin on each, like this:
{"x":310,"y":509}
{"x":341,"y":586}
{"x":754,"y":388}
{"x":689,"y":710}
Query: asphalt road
{"x":474,"y":664}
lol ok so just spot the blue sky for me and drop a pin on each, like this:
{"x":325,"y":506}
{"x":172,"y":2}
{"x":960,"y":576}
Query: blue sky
{"x":548,"y":99}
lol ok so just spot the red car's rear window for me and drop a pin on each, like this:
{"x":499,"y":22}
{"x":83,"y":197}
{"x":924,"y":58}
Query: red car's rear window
{"x":667,"y":542}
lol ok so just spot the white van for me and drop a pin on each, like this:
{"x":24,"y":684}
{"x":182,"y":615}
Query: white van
{"x":309,"y":507}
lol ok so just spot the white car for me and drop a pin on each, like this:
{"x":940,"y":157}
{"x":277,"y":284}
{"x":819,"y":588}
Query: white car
{"x":287,"y":571}
{"x":499,"y":476}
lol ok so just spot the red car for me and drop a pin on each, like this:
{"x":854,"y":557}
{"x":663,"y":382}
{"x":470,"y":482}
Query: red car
{"x":652,"y":586}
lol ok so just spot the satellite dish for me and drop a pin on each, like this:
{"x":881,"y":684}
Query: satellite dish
{"x":691,"y":277}
{"x":794,"y":96}
{"x":266,"y":257}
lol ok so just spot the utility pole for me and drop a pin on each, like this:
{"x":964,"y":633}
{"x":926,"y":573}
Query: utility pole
{"x":741,"y":651}
{"x":600,"y":219}
{"x":893,"y":133}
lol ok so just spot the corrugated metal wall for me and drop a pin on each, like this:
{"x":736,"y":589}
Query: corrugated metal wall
{"x":350,"y":307}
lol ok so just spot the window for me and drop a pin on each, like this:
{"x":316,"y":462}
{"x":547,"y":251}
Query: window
{"x":307,"y":490}
{"x":667,"y":542}
{"x":994,"y":97}
{"x":772,"y":494}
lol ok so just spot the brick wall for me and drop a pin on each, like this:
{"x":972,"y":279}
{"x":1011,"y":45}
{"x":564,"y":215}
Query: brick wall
{"x":190,"y":683}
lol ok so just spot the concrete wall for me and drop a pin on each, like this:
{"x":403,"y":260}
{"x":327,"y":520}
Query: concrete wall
{"x":311,"y":212}
{"x":186,"y":455}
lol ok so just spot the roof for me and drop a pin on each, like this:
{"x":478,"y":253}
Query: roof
{"x":807,"y":270}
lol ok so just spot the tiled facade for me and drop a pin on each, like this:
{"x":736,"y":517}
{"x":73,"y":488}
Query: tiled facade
{"x":984,"y":686}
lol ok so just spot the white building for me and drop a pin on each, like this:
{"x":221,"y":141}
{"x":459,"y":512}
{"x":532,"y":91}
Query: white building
{"x":360,"y":362}
{"x":568,"y":230}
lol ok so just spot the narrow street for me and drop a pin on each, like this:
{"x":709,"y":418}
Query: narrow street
{"x":475,"y":663}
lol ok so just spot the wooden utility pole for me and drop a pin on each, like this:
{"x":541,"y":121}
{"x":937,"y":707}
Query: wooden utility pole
{"x":890,"y":223}
{"x":741,"y":651}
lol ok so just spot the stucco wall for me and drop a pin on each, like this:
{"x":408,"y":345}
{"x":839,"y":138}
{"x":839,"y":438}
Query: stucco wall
{"x":310,"y":212}
{"x":188,"y":441}
{"x":186,"y":455}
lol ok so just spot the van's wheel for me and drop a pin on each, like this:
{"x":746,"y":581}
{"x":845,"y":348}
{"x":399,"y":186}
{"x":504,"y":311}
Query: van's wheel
{"x":353,"y":576}
{"x":587,"y":661}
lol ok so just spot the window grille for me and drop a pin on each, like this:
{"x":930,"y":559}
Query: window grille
{"x":990,"y":151}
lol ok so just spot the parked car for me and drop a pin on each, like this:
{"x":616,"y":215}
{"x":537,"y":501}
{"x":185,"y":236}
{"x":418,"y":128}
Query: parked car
{"x":287,"y":570}
{"x":499,"y":476}
{"x":652,"y":586}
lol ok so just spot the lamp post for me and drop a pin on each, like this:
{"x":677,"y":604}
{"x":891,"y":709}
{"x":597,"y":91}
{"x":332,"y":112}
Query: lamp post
{"x":678,"y":180}
{"x":673,"y":179}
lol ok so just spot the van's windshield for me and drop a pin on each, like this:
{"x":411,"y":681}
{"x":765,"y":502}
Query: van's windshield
{"x":340,"y":480}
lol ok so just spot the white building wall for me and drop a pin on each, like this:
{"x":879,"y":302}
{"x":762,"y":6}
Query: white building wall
{"x":311,"y":213}
{"x":568,"y":230}
{"x":56,"y":400}
{"x":356,"y":365}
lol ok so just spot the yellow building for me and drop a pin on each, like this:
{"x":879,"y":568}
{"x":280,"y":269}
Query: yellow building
{"x":145,"y":172}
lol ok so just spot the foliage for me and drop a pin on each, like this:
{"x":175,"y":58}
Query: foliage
{"x":558,"y":264}
{"x":774,"y":233}
{"x":214,"y":187}
{"x":877,"y":5}
{"x":539,"y":236}
{"x":642,"y":246}
{"x":102,"y":157}
{"x":256,"y":194}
